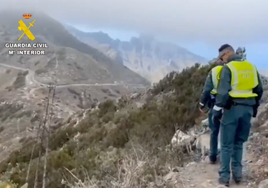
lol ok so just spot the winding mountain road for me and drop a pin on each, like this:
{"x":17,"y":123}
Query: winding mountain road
{"x":30,"y":80}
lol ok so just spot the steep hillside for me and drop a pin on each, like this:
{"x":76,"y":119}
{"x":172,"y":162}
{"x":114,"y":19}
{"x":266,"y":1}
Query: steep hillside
{"x":122,"y":144}
{"x":74,"y":59}
{"x":93,"y":144}
{"x":84,"y":77}
{"x":144,"y":54}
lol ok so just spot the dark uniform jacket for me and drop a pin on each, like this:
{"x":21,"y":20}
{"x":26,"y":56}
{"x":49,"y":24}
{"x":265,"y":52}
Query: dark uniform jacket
{"x":225,"y":86}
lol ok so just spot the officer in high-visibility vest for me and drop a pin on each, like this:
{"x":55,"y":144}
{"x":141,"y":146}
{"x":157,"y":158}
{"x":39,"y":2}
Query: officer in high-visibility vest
{"x":238,"y":95}
{"x":208,"y":99}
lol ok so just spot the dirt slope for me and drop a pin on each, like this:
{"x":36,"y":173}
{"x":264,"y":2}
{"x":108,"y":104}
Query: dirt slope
{"x":203,"y":175}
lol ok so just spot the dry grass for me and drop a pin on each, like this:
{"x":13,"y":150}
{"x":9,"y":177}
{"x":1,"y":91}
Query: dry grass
{"x":7,"y":77}
{"x":19,"y":82}
{"x":137,"y":170}
{"x":258,"y":151}
{"x":101,"y":145}
{"x":259,"y":165}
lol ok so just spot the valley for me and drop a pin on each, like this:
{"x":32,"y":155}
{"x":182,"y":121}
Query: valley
{"x":94,"y":112}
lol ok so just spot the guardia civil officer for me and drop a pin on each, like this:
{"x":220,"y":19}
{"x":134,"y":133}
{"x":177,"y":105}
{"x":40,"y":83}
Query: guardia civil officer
{"x":208,"y":99}
{"x":238,"y":95}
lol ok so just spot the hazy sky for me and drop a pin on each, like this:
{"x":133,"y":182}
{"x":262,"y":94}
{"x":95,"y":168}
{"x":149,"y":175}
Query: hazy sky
{"x":209,"y":21}
{"x":206,"y":22}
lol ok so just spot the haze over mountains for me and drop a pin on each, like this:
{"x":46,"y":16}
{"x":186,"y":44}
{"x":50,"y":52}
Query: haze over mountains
{"x":96,"y":67}
{"x":144,"y":54}
{"x":83,"y":74}
{"x":72,"y":127}
{"x":87,"y":67}
{"x":87,"y":71}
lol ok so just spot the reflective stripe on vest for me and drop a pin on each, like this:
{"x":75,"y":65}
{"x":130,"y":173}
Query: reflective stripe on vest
{"x":215,"y":74}
{"x":244,"y":79}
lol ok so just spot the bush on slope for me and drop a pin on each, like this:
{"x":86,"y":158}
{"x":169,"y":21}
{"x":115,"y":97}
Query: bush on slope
{"x":99,"y":142}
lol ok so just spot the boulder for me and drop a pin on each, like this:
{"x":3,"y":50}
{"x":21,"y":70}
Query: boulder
{"x":263,"y":184}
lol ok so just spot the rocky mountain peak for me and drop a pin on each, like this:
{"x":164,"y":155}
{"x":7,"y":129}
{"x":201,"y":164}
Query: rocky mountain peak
{"x":144,"y":54}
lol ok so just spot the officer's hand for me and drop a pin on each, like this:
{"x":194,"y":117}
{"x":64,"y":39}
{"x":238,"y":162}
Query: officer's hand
{"x":216,"y":114}
{"x":201,"y":107}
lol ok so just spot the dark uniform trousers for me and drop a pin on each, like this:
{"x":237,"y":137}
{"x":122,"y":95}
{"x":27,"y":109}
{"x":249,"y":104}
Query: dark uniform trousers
{"x":235,"y":128}
{"x":215,"y":128}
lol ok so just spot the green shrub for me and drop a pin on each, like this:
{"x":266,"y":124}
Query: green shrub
{"x":24,"y":155}
{"x":61,"y":136}
{"x":116,"y":127}
{"x":107,"y":106}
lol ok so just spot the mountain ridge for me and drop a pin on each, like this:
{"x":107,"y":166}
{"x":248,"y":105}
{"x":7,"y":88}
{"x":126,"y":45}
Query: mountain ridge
{"x":144,"y":55}
{"x":47,"y":29}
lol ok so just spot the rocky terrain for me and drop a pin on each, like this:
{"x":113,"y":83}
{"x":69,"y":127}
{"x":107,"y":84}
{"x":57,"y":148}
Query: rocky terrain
{"x":109,"y":130}
{"x":80,"y":76}
{"x":83,"y":76}
{"x":147,"y":139}
{"x":145,"y":55}
{"x":103,"y":127}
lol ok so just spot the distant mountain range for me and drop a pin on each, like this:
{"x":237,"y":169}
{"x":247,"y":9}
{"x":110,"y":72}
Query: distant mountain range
{"x":144,"y":55}
{"x":76,"y":61}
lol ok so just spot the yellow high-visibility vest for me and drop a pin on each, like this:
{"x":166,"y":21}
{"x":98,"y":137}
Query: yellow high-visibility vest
{"x":216,"y":75}
{"x":244,"y":79}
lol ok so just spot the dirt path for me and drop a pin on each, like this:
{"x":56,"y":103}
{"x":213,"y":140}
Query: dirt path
{"x":205,"y":175}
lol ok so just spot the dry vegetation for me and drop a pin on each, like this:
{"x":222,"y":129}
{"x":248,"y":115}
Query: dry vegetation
{"x":259,"y":153}
{"x":19,"y":82}
{"x":13,"y":111}
{"x":117,"y":145}
{"x":258,"y":145}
